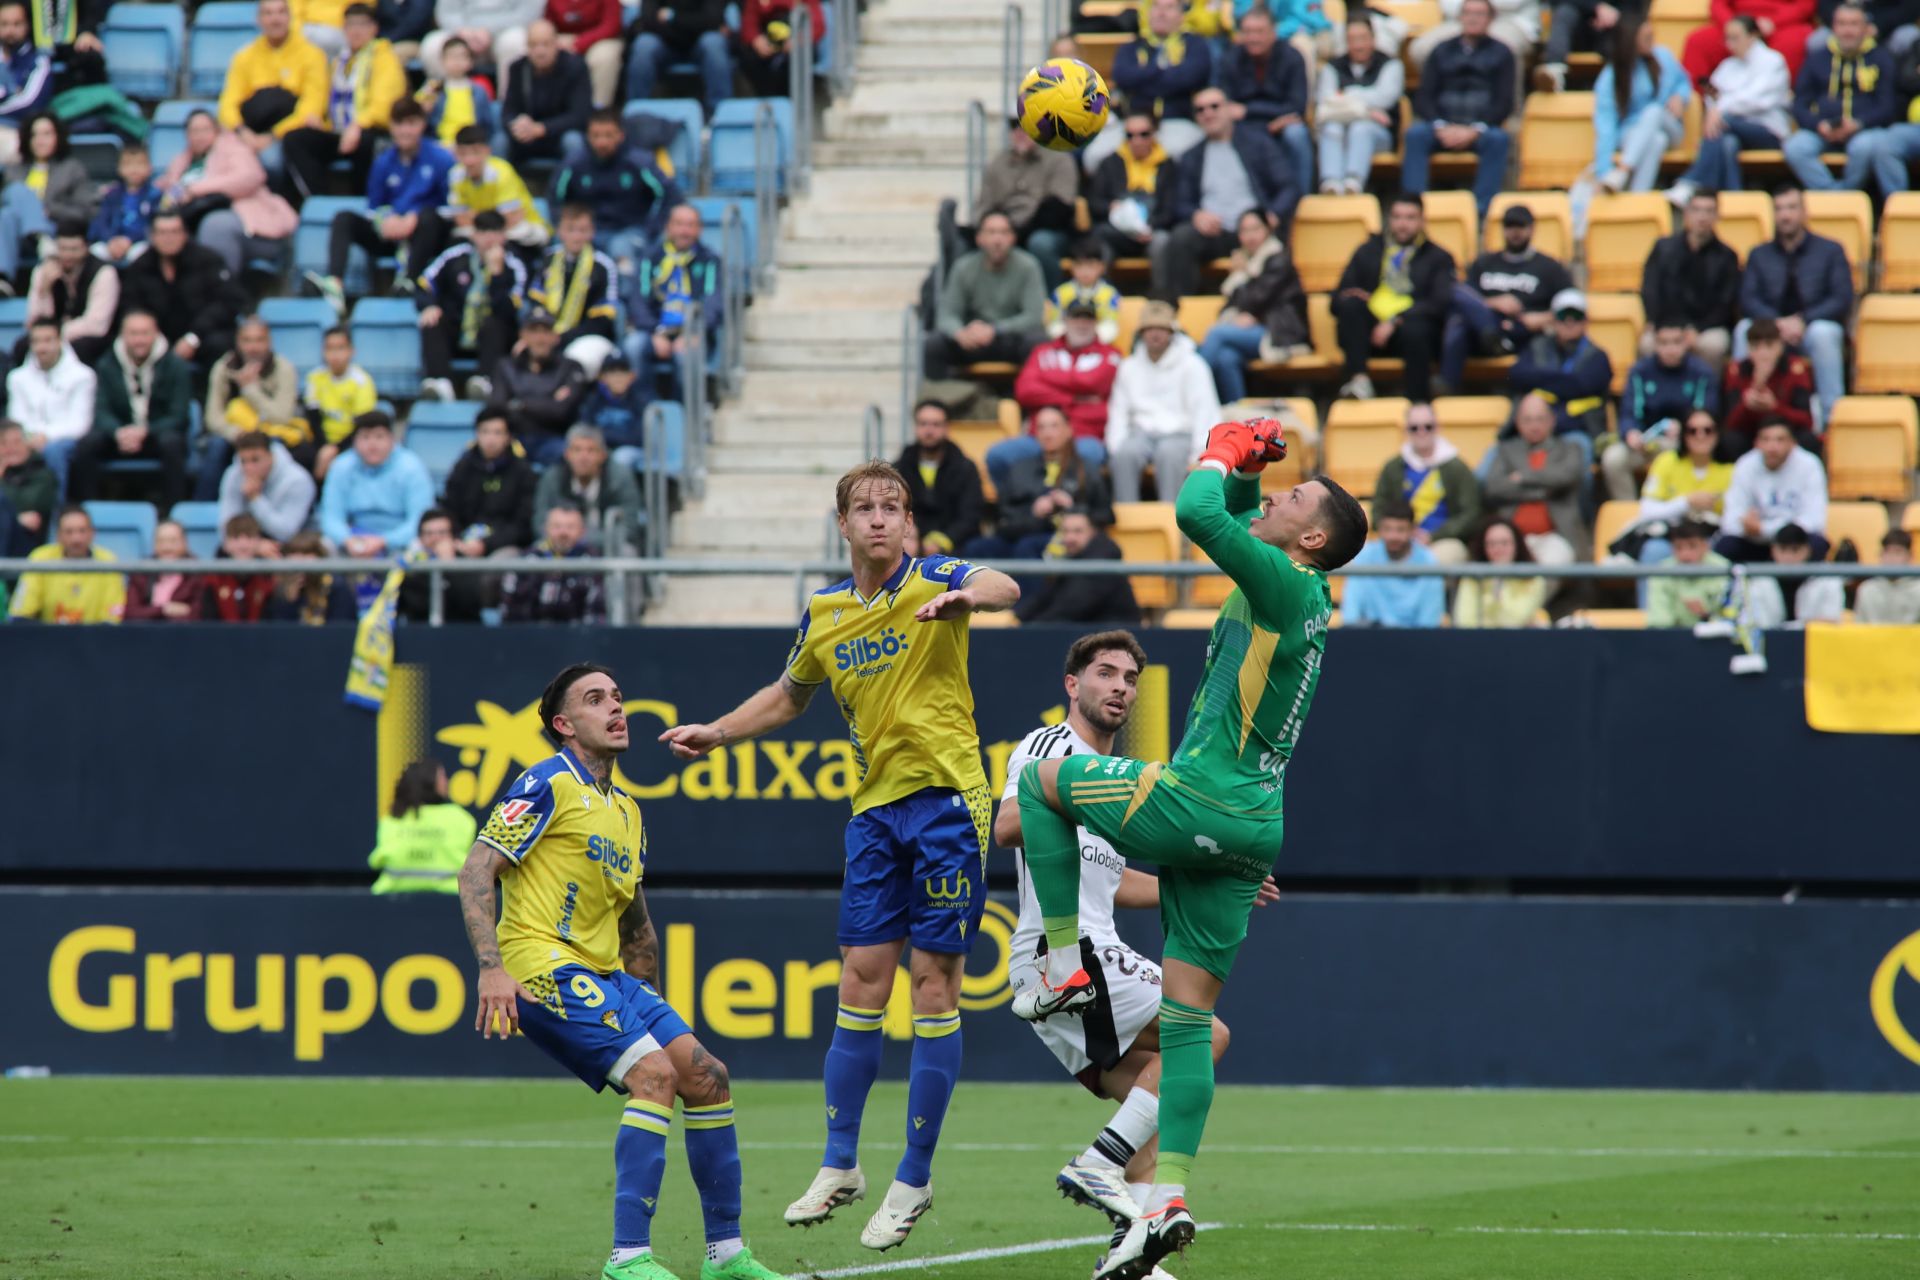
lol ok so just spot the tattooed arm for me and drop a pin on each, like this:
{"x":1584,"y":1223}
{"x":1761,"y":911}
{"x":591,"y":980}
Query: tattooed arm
{"x":639,"y":946}
{"x":499,"y":993}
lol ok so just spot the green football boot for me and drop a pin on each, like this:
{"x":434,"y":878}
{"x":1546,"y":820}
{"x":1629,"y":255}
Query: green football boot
{"x":741,"y":1266}
{"x":644,"y":1267}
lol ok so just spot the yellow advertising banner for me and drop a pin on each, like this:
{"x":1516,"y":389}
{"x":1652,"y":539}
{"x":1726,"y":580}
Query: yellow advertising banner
{"x":1863,"y":679}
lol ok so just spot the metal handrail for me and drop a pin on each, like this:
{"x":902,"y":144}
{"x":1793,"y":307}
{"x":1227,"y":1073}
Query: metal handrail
{"x":846,"y":44}
{"x":976,"y":152}
{"x":733,"y":288}
{"x":800,"y":92}
{"x":693,"y":397}
{"x":766,"y":191}
{"x":910,"y":353}
{"x":1013,"y":40}
{"x":1053,"y":23}
{"x":873,"y":432}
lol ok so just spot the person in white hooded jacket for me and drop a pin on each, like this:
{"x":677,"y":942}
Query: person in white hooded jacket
{"x":51,"y":395}
{"x":1749,"y":111}
{"x":1162,"y":406}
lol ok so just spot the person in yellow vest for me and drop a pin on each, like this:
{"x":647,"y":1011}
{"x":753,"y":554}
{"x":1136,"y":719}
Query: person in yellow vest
{"x":71,"y":598}
{"x":423,"y":840}
{"x":275,"y":85}
{"x":364,"y":80}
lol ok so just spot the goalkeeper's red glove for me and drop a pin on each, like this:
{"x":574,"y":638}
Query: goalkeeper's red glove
{"x":1246,"y":447}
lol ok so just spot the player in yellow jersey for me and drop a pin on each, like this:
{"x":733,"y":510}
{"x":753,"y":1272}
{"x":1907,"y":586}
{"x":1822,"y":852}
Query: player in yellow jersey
{"x":891,"y":640}
{"x":572,"y":965}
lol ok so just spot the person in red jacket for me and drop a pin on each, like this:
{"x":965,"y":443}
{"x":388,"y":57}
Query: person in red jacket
{"x":1785,"y":25}
{"x":766,"y":38}
{"x":1074,"y":372}
{"x":1768,"y":384}
{"x":591,"y":28}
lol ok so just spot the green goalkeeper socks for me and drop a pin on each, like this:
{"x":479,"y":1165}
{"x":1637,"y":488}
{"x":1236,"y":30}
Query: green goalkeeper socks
{"x":1052,"y":850}
{"x":1186,"y":1085}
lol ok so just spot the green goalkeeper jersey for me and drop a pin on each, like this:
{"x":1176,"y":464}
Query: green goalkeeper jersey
{"x":1263,"y":657}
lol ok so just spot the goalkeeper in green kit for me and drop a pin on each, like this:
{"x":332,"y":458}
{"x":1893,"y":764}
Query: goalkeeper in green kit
{"x":1211,"y":817}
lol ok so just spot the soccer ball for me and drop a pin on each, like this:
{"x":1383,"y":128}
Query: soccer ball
{"x":1063,"y":104}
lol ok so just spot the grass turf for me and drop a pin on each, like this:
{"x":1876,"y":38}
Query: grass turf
{"x":359,"y":1178}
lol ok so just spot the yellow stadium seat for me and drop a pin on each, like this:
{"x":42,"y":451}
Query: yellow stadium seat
{"x":1910,"y":518}
{"x":1097,"y":50}
{"x":1147,"y":533}
{"x":975,"y":438}
{"x":1472,"y":423}
{"x":1199,"y":312}
{"x":1846,"y":216}
{"x":1614,"y":517}
{"x":1326,"y":231}
{"x":1616,"y":619}
{"x":1746,"y":219}
{"x":1674,"y":20}
{"x":1361,"y":436}
{"x":1870,"y":447}
{"x":1556,"y":139}
{"x":1614,"y":321}
{"x":1451,"y":218}
{"x":1552,"y":222}
{"x":1886,"y":344}
{"x":1621,"y":231}
{"x":1864,"y":522}
{"x":1676,"y":159}
{"x":1209,"y":592}
{"x":1419,"y":15}
{"x":1900,"y":242}
{"x":1300,"y":459}
{"x":1190,"y":619}
{"x":1000,"y":618}
{"x":1129,"y":320}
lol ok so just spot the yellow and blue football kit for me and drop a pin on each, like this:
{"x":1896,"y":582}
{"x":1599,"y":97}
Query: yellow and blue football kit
{"x":578,"y":852}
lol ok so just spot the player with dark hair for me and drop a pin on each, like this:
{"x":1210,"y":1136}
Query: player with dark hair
{"x":1211,"y":817}
{"x":573,"y":965}
{"x":892,"y":641}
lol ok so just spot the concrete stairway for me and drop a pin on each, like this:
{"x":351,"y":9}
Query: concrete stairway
{"x":826,"y":343}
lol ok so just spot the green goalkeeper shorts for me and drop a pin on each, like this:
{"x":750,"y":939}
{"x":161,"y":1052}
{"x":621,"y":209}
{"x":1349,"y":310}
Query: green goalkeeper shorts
{"x":1211,"y":862}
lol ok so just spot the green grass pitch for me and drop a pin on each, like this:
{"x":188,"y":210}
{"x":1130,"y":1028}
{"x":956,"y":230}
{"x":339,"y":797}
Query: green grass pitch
{"x":315,"y":1179}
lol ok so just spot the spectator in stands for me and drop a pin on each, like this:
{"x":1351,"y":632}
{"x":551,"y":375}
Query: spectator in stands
{"x":1748,"y":106}
{"x":365,"y":82}
{"x":275,"y":85}
{"x":1466,"y":94}
{"x":423,"y":839}
{"x":680,"y":273}
{"x":1781,"y":27}
{"x":1663,"y":391}
{"x":1900,"y":140}
{"x":627,"y":193}
{"x":1508,"y":604}
{"x":1773,"y":603}
{"x":1356,"y":109}
{"x":482,"y":181}
{"x":461,"y":594}
{"x":1039,"y":490}
{"x":50,"y":394}
{"x":51,"y":596}
{"x":1036,"y":189}
{"x":1162,"y":406}
{"x":1073,"y":373}
{"x":533,"y":595}
{"x":142,"y":408}
{"x":218,"y":181}
{"x":1266,"y":83}
{"x":1802,"y":282}
{"x":26,"y":79}
{"x":1080,"y":597}
{"x":547,"y":100}
{"x":1303,"y":24}
{"x":188,"y":289}
{"x":404,"y":198}
{"x":1162,"y":70}
{"x":617,"y":406}
{"x":1843,"y":100}
{"x":1692,"y":278}
{"x":1683,"y":602}
{"x":29,"y":492}
{"x":943,"y":485}
{"x":607,"y":497}
{"x":49,"y":170}
{"x":1584,"y":23}
{"x":323,"y":23}
{"x":1436,"y":486}
{"x":253,"y":389}
{"x":1505,"y":300}
{"x":1570,"y":372}
{"x":69,"y":32}
{"x":1640,"y":105}
{"x":539,"y":388}
{"x":239,"y":597}
{"x":1890,"y":601}
{"x":406,"y":23}
{"x":1392,"y":299}
{"x":494,"y":31}
{"x":1233,"y":170}
{"x":333,"y":395}
{"x":766,"y":42}
{"x":1516,"y":24}
{"x":490,"y":491}
{"x":166,"y":597}
{"x":376,"y":492}
{"x":1534,"y":479}
{"x":1127,"y":187}
{"x":580,"y":290}
{"x":1775,"y":485}
{"x":469,"y":302}
{"x":674,"y":31}
{"x":1393,"y":602}
{"x":1086,"y":281}
{"x":119,"y":230}
{"x":1266,"y":313}
{"x":455,"y":100}
{"x":309,"y":599}
{"x":590,"y":30}
{"x":76,"y":291}
{"x":266,"y":483}
{"x":994,"y":305}
{"x":1686,"y":483}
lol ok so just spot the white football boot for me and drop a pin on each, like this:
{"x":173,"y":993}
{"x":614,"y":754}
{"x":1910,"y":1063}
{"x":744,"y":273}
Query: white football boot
{"x":893,"y":1221}
{"x":831,"y":1189}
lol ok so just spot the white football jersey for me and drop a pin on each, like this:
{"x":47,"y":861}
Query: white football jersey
{"x":1100,"y":864}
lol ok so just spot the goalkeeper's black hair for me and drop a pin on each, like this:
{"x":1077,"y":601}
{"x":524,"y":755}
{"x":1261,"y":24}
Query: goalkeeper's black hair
{"x":553,"y":702}
{"x":1344,"y":521}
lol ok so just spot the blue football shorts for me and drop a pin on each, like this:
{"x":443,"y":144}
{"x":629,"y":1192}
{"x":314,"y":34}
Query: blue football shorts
{"x":917,"y":869}
{"x":597,"y":1025}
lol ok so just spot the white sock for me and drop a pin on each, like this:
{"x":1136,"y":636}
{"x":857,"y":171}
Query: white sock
{"x":628,"y":1255}
{"x":1062,"y":965}
{"x":1163,"y":1194}
{"x":720,"y":1252}
{"x":1142,"y":1192}
{"x":1130,"y":1129}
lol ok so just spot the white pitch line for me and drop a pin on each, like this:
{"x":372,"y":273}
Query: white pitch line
{"x":1630,"y":1233}
{"x":972,"y":1255}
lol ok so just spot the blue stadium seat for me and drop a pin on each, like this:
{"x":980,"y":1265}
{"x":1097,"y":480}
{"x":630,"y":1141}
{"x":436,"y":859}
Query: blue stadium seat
{"x":685,"y":149}
{"x":730,"y":153}
{"x":167,"y":137}
{"x":210,"y":51}
{"x":713,"y":212}
{"x":98,"y":153}
{"x":124,"y":528}
{"x":310,"y":241}
{"x":387,"y":341}
{"x":439,"y":431}
{"x":673,"y":423}
{"x":299,"y":327}
{"x":201,"y":520}
{"x":13,"y":321}
{"x":145,"y":45}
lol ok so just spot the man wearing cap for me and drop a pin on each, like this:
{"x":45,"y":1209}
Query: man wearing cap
{"x":1570,"y":371}
{"x":467,"y":300}
{"x":1504,"y":300}
{"x":1163,"y":405}
{"x":539,"y":389}
{"x":1036,"y":189}
{"x":1392,"y":300}
{"x":1693,"y":278}
{"x":1234,"y":169}
{"x":1074,"y":373}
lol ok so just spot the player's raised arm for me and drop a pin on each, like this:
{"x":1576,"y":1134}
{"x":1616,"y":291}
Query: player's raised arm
{"x":980,"y":591}
{"x":499,"y":992}
{"x":768,"y":709}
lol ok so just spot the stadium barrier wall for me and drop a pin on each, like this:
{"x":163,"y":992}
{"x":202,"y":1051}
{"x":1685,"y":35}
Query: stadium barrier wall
{"x":1542,"y":755}
{"x":1328,"y":990}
